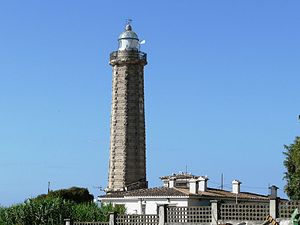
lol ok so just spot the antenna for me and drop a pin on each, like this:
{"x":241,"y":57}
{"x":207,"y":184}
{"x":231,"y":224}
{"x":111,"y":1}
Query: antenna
{"x":48,"y":187}
{"x":99,"y":188}
{"x":186,"y":179}
{"x":222,"y":181}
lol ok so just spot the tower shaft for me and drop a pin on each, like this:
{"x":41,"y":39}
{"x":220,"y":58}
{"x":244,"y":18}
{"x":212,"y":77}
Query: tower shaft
{"x":127,"y":165}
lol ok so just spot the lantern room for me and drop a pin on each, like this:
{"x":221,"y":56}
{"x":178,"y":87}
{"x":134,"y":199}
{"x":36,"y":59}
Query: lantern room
{"x":128,"y":40}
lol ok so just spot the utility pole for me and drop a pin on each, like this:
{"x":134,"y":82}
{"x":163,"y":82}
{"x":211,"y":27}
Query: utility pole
{"x":48,"y":187}
{"x":222,"y":181}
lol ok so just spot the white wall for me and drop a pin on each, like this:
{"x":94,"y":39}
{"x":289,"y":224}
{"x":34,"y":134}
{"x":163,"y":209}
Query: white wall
{"x":134,"y":205}
{"x":151,"y":204}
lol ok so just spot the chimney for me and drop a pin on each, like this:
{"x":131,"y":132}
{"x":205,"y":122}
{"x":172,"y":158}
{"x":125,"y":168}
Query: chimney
{"x":236,"y":186}
{"x":202,"y":186}
{"x":273,"y":191}
{"x":193,"y":186}
{"x":165,"y":182}
{"x":172,"y":182}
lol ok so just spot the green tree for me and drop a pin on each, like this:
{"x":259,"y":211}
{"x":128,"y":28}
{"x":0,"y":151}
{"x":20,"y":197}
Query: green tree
{"x":75,"y":194}
{"x":292,"y":165}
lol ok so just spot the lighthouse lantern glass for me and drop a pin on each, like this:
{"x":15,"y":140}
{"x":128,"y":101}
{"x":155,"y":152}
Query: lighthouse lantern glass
{"x":129,"y":44}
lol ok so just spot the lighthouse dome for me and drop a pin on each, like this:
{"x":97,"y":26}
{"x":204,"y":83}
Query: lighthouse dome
{"x":128,"y":40}
{"x":128,"y":33}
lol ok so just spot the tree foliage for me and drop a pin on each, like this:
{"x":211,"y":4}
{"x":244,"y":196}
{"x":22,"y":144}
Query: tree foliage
{"x":53,"y":211}
{"x":49,"y":210}
{"x":91,"y":212}
{"x":292,"y":165}
{"x":75,"y":194}
{"x":108,"y":208}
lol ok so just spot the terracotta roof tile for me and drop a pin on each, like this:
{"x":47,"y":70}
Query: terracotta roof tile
{"x":165,"y":191}
{"x":158,"y":191}
{"x":218,"y":193}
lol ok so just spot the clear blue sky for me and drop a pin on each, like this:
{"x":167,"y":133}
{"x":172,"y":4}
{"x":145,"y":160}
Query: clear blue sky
{"x":221,"y":86}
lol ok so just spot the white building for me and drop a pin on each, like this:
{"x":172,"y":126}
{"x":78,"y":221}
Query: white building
{"x":179,"y":190}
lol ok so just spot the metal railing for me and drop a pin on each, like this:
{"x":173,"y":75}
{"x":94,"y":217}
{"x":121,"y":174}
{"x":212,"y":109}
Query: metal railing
{"x":128,"y":55}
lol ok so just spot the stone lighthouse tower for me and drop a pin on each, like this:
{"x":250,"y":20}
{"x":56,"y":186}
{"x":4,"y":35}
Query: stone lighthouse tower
{"x":127,"y":163}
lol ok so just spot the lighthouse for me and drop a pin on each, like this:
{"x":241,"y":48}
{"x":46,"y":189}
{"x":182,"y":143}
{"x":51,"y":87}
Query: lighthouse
{"x":127,"y":162}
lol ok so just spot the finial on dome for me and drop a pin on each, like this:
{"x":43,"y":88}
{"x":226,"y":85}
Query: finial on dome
{"x":128,"y":27}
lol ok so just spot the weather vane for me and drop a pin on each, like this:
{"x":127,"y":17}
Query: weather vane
{"x":128,"y":21}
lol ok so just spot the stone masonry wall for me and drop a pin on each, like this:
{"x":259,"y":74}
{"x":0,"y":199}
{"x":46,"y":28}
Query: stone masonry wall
{"x":127,"y":166}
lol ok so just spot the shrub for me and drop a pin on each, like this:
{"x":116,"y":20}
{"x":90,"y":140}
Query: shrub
{"x":89,"y":212}
{"x":106,"y":209}
{"x":50,"y":211}
{"x":53,"y":211}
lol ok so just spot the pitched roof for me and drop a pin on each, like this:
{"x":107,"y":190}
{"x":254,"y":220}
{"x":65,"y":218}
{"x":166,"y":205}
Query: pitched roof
{"x":165,"y":191}
{"x":218,"y":193}
{"x":158,"y":191}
